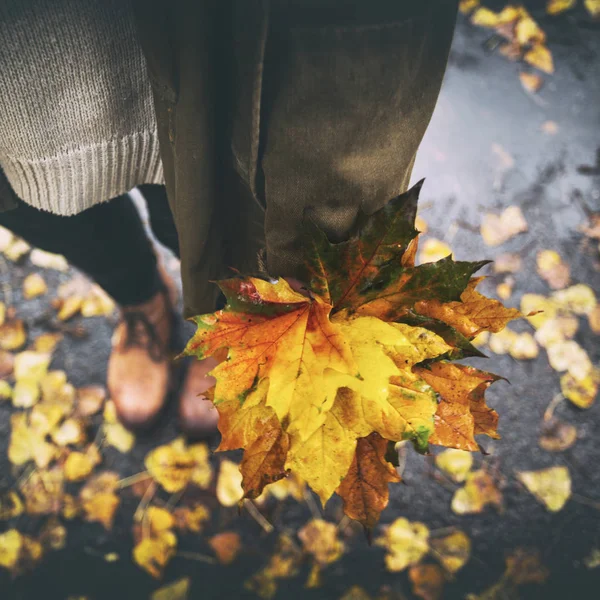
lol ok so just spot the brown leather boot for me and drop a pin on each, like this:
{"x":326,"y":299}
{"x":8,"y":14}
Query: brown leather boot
{"x":139,"y":367}
{"x":197,"y":416}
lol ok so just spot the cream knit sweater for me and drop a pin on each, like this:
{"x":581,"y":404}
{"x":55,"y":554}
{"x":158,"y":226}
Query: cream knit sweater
{"x":77,"y":125}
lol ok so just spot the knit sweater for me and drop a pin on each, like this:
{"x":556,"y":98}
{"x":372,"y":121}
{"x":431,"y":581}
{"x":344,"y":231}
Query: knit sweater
{"x":77,"y":124}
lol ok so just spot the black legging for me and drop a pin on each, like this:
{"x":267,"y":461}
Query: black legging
{"x":107,"y":241}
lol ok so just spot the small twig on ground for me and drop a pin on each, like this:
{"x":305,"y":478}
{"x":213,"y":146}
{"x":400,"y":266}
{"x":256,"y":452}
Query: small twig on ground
{"x":133,"y":479}
{"x":258,"y":516}
{"x":312,"y":505}
{"x":549,"y":412}
{"x":586,"y":501}
{"x":140,"y":511}
{"x":197,"y":556}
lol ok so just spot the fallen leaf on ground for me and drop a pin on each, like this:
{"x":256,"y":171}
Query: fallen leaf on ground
{"x":552,"y":269}
{"x":592,"y":560}
{"x":229,"y":484}
{"x":581,"y":392}
{"x":97,"y":303}
{"x":557,"y":436}
{"x":178,"y":590}
{"x":434,"y":250}
{"x":34,"y":286}
{"x":552,"y":486}
{"x":532,"y":82}
{"x":13,"y":335}
{"x":556,"y":330}
{"x":226,"y":546}
{"x":69,"y":307}
{"x":523,"y":347}
{"x":43,"y":492}
{"x":320,"y":539}
{"x":175,"y":465}
{"x":18,"y":552}
{"x":25,"y":393}
{"x":356,"y":592}
{"x":47,"y":342}
{"x":11,"y":505}
{"x":541,"y":58}
{"x":578,"y":299}
{"x":406,"y":543}
{"x":455,"y":463}
{"x":427,"y":581}
{"x":549,"y":127}
{"x":478,"y":492}
{"x":98,"y":499}
{"x":555,"y":7}
{"x":70,"y":433}
{"x":504,"y":289}
{"x":570,"y":356}
{"x":153,"y":553}
{"x":593,"y":7}
{"x":47,"y":260}
{"x":523,"y":566}
{"x":90,"y":400}
{"x":31,"y":365}
{"x":453,"y":551}
{"x":53,"y":535}
{"x":17,"y":249}
{"x":79,"y":465}
{"x":191,"y":518}
{"x":497,"y":229}
{"x":5,"y":390}
{"x":28,"y":444}
{"x":283,"y":563}
{"x":6,"y":238}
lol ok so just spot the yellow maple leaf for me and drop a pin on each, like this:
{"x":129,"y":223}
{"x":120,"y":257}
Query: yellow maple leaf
{"x":293,"y":366}
{"x":455,"y":463}
{"x":153,"y":553}
{"x":13,"y":335}
{"x":43,"y":492}
{"x":18,"y":552}
{"x":406,"y":543}
{"x":552,"y":486}
{"x":34,"y":286}
{"x":555,"y":7}
{"x":191,"y":518}
{"x":98,"y":499}
{"x":478,"y":491}
{"x":453,"y":551}
{"x":226,"y":546}
{"x":471,"y":315}
{"x":427,"y":581}
{"x":320,"y":539}
{"x":581,"y":392}
{"x":175,"y":465}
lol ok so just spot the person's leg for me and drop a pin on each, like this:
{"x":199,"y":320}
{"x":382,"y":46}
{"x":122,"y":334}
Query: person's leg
{"x":161,"y":217}
{"x":108,"y":243}
{"x":197,"y":416}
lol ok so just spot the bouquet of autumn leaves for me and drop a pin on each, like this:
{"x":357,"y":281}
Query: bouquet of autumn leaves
{"x":324,"y":383}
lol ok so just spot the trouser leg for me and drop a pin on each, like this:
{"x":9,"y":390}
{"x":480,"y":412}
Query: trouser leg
{"x":107,"y":242}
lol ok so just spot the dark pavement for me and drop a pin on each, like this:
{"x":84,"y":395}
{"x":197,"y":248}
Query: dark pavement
{"x":483,"y":116}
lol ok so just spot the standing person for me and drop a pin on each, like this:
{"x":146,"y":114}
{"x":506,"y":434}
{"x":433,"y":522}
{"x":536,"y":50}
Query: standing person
{"x":257,"y":110}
